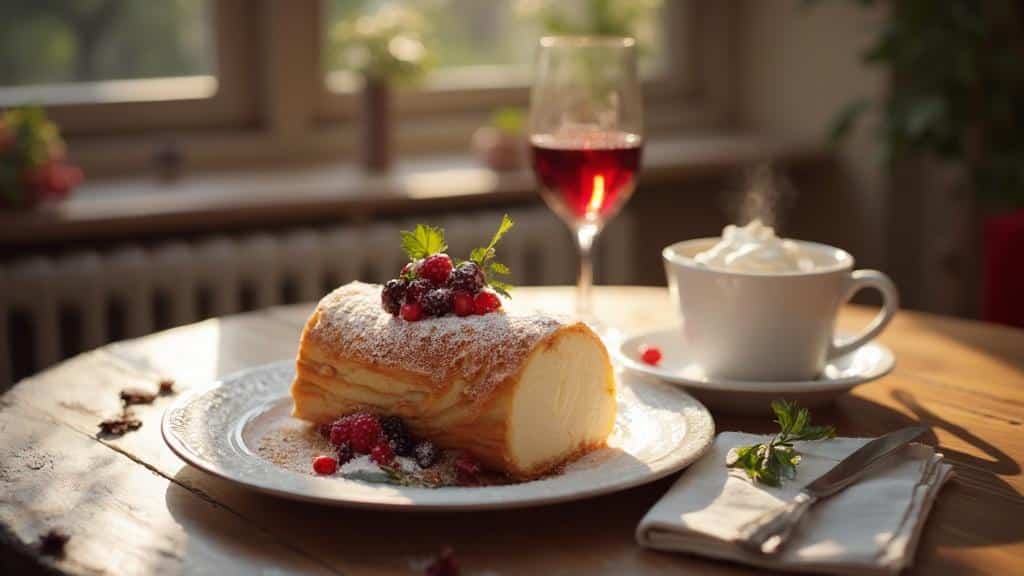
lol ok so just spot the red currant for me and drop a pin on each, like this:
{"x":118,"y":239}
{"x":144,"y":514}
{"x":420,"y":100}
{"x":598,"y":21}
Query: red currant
{"x":650,"y":354}
{"x":412,"y":312}
{"x":436,"y":268}
{"x":485,"y":302}
{"x":325,"y":465}
{"x":462,"y":303}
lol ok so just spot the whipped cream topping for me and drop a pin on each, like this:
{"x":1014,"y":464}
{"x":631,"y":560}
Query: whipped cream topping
{"x":755,"y":248}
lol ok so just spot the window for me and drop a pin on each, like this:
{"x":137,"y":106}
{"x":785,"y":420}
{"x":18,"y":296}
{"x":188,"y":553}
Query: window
{"x":78,"y":56}
{"x":489,"y":44}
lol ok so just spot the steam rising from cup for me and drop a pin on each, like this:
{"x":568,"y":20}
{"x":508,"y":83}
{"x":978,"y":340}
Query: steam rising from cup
{"x":766,"y":197}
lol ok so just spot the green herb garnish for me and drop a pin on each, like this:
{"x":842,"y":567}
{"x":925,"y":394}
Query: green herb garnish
{"x":423,"y":241}
{"x":776,"y":459}
{"x":484,"y":258}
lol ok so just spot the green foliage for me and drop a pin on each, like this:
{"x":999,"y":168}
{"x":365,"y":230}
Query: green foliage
{"x":772,"y":462}
{"x":423,"y":241}
{"x":957,"y":90}
{"x":484,"y":258}
{"x":509,"y":120}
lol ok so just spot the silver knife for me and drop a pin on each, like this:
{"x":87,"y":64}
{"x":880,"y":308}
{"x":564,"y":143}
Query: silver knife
{"x":767,"y":533}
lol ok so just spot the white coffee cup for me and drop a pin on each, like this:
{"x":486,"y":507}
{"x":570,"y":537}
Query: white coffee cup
{"x":769,"y":326}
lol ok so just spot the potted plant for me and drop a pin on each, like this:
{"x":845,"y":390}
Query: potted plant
{"x":384,"y":48}
{"x":957,"y":96}
{"x":32,"y":166}
{"x":501,"y":145}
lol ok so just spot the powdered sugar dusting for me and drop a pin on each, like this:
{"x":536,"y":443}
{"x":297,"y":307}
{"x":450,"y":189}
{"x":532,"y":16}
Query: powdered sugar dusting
{"x":481,"y":350}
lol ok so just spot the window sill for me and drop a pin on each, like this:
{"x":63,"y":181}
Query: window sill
{"x":114,"y":210}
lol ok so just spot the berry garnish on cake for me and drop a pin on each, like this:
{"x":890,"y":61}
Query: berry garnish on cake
{"x":433,"y":285}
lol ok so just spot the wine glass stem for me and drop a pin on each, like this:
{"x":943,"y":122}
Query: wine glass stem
{"x":585,"y":236}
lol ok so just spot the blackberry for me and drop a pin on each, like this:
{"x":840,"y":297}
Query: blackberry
{"x":397,"y":435}
{"x":426,"y":454}
{"x":415,"y":290}
{"x":345,"y":453}
{"x":467,"y":276}
{"x":437,"y":302}
{"x":392,"y":295}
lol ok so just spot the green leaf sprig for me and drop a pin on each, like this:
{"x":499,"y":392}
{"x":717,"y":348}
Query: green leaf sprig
{"x":771,"y":462}
{"x":426,"y":241}
{"x":484,"y":258}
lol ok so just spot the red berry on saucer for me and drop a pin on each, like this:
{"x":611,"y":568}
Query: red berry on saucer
{"x":486,"y":302}
{"x":382,"y":454}
{"x":650,"y":354}
{"x":412,"y":312}
{"x":325,"y":465}
{"x":462,"y":303}
{"x":436,"y":268}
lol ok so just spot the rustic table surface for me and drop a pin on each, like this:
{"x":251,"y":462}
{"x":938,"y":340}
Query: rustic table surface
{"x":130,"y":506}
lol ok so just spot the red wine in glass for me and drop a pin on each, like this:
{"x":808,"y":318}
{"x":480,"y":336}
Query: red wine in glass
{"x":586,"y":178}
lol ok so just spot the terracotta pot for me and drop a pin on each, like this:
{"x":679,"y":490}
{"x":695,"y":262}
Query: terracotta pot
{"x":499,"y":150}
{"x":377,"y":144}
{"x":1003,"y":299}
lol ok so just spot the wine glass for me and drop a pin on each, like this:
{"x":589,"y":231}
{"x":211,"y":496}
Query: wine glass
{"x":586,"y":125}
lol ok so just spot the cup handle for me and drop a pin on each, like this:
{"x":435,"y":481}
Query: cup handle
{"x":860,"y":279}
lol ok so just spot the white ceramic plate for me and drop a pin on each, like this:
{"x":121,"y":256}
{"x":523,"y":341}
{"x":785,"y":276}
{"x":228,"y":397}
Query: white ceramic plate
{"x":867,"y":363}
{"x":659,"y":429}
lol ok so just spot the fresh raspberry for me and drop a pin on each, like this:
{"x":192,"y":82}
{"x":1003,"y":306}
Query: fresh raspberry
{"x":415,"y":290}
{"x":392,"y":296}
{"x":397,"y":435}
{"x":485,"y":302}
{"x":341,"y":430}
{"x":467,"y":276}
{"x":345,"y":453}
{"x":426,"y":454}
{"x":412,"y":312}
{"x":650,"y":354}
{"x":412,"y":268}
{"x":324,"y":465}
{"x":437,"y":302}
{"x":437,"y":269}
{"x":462,"y":303}
{"x":466,"y":469}
{"x":382,"y":454}
{"x":365,"y":433}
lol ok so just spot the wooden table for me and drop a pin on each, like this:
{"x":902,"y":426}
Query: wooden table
{"x":132,"y":507}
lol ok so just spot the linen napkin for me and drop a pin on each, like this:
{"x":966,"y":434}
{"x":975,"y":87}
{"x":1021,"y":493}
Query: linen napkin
{"x":871,"y":527}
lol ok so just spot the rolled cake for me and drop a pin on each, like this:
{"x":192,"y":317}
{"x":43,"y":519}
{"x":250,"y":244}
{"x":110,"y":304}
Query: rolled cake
{"x":523,"y":393}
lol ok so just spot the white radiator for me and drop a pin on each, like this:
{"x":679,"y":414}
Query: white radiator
{"x":175,"y":283}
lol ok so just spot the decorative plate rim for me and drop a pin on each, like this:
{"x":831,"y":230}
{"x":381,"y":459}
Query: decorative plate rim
{"x":697,"y":438}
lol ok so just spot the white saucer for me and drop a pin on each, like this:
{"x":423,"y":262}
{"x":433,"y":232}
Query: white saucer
{"x":867,"y":363}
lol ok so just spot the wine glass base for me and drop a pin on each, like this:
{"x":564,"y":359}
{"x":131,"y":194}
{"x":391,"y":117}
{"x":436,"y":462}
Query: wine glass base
{"x":610,"y":335}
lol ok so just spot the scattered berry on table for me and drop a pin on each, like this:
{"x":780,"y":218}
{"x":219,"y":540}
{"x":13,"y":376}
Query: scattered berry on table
{"x":426,"y":454}
{"x":397,"y":434}
{"x":462,"y":303}
{"x":412,"y":312}
{"x":485,"y":302}
{"x":392,"y":296}
{"x":345,"y":452}
{"x":365,"y":433}
{"x":324,"y":465}
{"x":437,"y":302}
{"x":382,"y":454}
{"x":467,"y":276}
{"x":466,"y":469}
{"x":415,"y":290}
{"x":436,"y":268}
{"x":650,"y":354}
